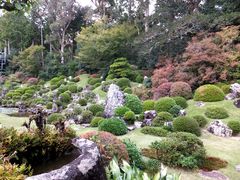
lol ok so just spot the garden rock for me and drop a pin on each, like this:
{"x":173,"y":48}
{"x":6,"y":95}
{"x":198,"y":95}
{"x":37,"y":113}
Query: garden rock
{"x":131,"y":128}
{"x":87,"y":166}
{"x":115,"y":98}
{"x":214,"y":175}
{"x":235,"y":89}
{"x":182,"y":112}
{"x":200,"y":104}
{"x":238,"y":168}
{"x":237,"y":103}
{"x":137,"y":124}
{"x":218,"y":128}
{"x":148,"y":117}
{"x":230,"y":96}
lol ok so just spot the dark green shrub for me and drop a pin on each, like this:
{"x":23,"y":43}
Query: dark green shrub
{"x":139,"y":78}
{"x":155,"y":131}
{"x":95,"y":108}
{"x":216,"y":113}
{"x":129,"y":116}
{"x":93,"y":81}
{"x":181,"y":101}
{"x":202,"y":121}
{"x":49,"y":105}
{"x":186,"y":124}
{"x":234,"y":126}
{"x":133,"y":103}
{"x":55,"y":117}
{"x":86,"y":116}
{"x":65,"y":97}
{"x":82,"y":102}
{"x":95,"y":121}
{"x":77,"y":110}
{"x":161,"y":118}
{"x":114,"y":126}
{"x":79,"y":89}
{"x":164,"y":104}
{"x":175,"y":110}
{"x":99,"y":114}
{"x":148,"y":105}
{"x":151,"y":166}
{"x":134,"y":154}
{"x":128,"y":90}
{"x":208,"y":93}
{"x":73,"y":88}
{"x":226,"y":88}
{"x":123,"y":83}
{"x":180,"y":150}
{"x":120,"y":111}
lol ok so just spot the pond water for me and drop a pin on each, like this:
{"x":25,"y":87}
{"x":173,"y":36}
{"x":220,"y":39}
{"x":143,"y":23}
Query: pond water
{"x":57,"y":163}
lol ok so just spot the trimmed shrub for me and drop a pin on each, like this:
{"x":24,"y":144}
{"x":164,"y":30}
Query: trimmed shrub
{"x":109,"y":145}
{"x":208,"y":93}
{"x":216,"y":113}
{"x":180,"y":150}
{"x":148,"y":105}
{"x":234,"y":126}
{"x":77,"y":110}
{"x":93,"y":81}
{"x":133,"y":103}
{"x":82,"y":102}
{"x":79,"y":89}
{"x":226,"y":88}
{"x":95,"y":121}
{"x":95,"y":108}
{"x":161,"y":118}
{"x":129,"y":116}
{"x":201,"y":120}
{"x":181,"y":101}
{"x":99,"y":114}
{"x":128,"y":90}
{"x":73,"y":88}
{"x":86,"y":116}
{"x":134,"y":153}
{"x":175,"y":110}
{"x":155,"y":131}
{"x":213,"y":163}
{"x":164,"y":104}
{"x":123,"y":83}
{"x":182,"y":89}
{"x":65,"y":97}
{"x":114,"y":126}
{"x":55,"y":117}
{"x":120,"y":111}
{"x":186,"y":124}
{"x":151,"y":166}
{"x":49,"y":105}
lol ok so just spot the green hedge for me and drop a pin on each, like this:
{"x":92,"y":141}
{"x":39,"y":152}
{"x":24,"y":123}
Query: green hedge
{"x":216,"y":113}
{"x":164,"y":104}
{"x":155,"y":131}
{"x":209,"y":93}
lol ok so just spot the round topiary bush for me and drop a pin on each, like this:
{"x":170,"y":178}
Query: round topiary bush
{"x":216,"y":113}
{"x":93,"y":81}
{"x":73,"y":88}
{"x":128,"y":90}
{"x":133,"y":103}
{"x":148,"y":105}
{"x":164,"y":104}
{"x":161,"y":118}
{"x":181,"y":101}
{"x":114,"y":126}
{"x":95,"y":121}
{"x":123,"y":83}
{"x":82,"y":102}
{"x":95,"y":108}
{"x":186,"y":124}
{"x":120,"y":111}
{"x":175,"y":110}
{"x":182,"y":89}
{"x":208,"y":93}
{"x":202,"y":121}
{"x":55,"y":117}
{"x":129,"y":116}
{"x":65,"y":97}
{"x":49,"y":105}
{"x":86,"y":116}
{"x":234,"y":126}
{"x":109,"y":145}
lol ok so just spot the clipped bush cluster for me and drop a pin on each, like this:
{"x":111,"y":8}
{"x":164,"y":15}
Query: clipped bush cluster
{"x":93,"y":81}
{"x":133,"y":103}
{"x":129,"y":116}
{"x":95,"y":108}
{"x":127,"y":90}
{"x":95,"y":121}
{"x":181,"y":101}
{"x":234,"y":126}
{"x":164,"y":104}
{"x":175,"y":110}
{"x":201,"y":120}
{"x":186,"y":124}
{"x":155,"y":131}
{"x":114,"y":126}
{"x":82,"y":102}
{"x":182,"y":89}
{"x":109,"y":145}
{"x":86,"y":116}
{"x":208,"y":93}
{"x":161,"y":118}
{"x":55,"y":117}
{"x":65,"y":97}
{"x":120,"y":111}
{"x":148,"y":105}
{"x":216,"y":113}
{"x":180,"y":150}
{"x":123,"y":83}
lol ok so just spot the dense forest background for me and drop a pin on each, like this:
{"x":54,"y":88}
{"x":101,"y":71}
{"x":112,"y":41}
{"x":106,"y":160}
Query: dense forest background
{"x":178,"y":40}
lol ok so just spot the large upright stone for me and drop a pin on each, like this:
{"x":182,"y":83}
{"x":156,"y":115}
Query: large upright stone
{"x":235,"y":92}
{"x":115,"y":98}
{"x":148,"y":117}
{"x":218,"y":128}
{"x":87,"y":166}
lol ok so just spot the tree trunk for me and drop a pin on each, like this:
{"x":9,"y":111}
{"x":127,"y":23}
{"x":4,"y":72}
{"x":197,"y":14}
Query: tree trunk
{"x":42,"y":46}
{"x":5,"y":52}
{"x":146,"y":13}
{"x":9,"y":48}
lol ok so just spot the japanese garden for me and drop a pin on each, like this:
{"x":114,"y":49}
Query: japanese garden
{"x":120,"y":89}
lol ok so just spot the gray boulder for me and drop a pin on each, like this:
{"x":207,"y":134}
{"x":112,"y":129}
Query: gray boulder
{"x":218,"y":128}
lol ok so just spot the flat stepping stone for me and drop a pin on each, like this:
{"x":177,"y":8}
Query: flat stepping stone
{"x":214,"y":175}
